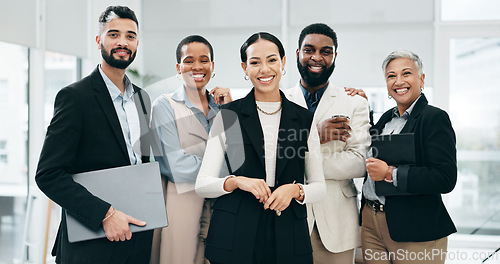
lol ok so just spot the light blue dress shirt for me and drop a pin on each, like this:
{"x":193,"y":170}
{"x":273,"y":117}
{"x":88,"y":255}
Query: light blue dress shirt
{"x":122,"y":103}
{"x":392,"y":127}
{"x":175,"y":163}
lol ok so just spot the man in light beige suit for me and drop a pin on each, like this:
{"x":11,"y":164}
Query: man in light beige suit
{"x":343,"y":124}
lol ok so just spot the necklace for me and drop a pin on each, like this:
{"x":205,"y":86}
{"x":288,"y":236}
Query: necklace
{"x":267,"y":113}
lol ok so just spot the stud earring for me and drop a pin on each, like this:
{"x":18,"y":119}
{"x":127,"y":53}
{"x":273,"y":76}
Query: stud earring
{"x":389,"y":96}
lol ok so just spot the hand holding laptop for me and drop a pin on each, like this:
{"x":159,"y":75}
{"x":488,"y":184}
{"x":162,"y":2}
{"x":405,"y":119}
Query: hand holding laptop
{"x":116,"y":225}
{"x":133,"y":191}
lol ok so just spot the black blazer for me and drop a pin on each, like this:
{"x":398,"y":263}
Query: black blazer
{"x":235,"y":218}
{"x":85,"y":135}
{"x":415,"y":212}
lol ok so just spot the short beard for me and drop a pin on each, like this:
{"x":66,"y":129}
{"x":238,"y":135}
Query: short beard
{"x":116,"y":63}
{"x":315,"y":79}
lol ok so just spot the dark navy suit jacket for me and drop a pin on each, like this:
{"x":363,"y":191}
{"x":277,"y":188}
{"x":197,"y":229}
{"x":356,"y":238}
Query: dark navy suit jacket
{"x":85,"y":135}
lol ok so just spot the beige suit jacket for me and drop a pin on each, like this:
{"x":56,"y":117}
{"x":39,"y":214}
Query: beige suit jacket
{"x":336,"y":216}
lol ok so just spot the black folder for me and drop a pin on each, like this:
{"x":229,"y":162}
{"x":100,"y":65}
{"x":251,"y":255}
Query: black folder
{"x":135,"y":190}
{"x":396,"y":150}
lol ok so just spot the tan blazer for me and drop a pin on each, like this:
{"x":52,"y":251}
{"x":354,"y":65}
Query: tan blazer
{"x":183,"y":241}
{"x":336,"y":216}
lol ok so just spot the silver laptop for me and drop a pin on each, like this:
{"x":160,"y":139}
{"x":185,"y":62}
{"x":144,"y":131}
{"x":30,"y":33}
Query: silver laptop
{"x":135,"y":190}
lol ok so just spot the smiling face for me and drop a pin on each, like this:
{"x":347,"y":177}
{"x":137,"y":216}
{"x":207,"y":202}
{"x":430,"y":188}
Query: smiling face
{"x":316,"y":60}
{"x":403,"y":82}
{"x":196,"y":66}
{"x":264,"y":67}
{"x":118,"y":42}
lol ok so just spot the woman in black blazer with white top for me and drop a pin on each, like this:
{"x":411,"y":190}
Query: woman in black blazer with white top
{"x":259,"y":215}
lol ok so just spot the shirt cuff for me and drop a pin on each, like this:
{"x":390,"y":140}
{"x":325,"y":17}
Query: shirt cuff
{"x":223,"y":181}
{"x":395,"y":176}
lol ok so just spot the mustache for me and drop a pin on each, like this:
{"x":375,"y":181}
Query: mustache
{"x":115,"y":49}
{"x":317,"y":64}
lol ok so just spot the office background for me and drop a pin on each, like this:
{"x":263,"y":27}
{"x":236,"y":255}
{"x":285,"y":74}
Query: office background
{"x":47,"y":44}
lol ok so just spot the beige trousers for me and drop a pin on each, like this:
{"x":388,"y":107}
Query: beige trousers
{"x":321,"y":255}
{"x":378,"y":247}
{"x":181,"y":241}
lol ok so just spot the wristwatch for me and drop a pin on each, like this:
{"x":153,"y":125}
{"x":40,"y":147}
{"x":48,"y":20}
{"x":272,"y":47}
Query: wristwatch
{"x":388,"y":174}
{"x":301,"y":191}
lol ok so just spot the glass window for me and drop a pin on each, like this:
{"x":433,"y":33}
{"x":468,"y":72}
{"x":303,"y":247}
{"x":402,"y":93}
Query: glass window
{"x":4,"y":92}
{"x":474,"y":111}
{"x":3,"y":152}
{"x":462,"y":10}
{"x":13,"y":148}
{"x":60,"y":71}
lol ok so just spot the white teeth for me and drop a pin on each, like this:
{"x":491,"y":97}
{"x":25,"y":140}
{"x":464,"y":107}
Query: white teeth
{"x":316,"y":67}
{"x":401,"y":90}
{"x":266,"y":79}
{"x":198,"y":76}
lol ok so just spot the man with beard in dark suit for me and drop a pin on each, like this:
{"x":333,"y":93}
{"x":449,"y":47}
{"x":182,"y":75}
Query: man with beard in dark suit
{"x":99,"y":122}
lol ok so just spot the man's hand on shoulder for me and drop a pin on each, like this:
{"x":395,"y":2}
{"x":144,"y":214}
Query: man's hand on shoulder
{"x":354,"y":91}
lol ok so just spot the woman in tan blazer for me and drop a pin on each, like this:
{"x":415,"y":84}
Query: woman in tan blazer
{"x":181,"y":122}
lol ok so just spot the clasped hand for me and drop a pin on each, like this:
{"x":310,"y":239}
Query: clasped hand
{"x":278,"y":200}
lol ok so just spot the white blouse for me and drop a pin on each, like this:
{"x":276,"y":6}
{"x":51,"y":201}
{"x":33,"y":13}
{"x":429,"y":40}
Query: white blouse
{"x":209,"y":185}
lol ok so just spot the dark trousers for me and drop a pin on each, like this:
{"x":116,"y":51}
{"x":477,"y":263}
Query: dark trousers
{"x":265,"y":242}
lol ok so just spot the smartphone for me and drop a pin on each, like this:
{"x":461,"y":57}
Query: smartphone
{"x":341,"y":116}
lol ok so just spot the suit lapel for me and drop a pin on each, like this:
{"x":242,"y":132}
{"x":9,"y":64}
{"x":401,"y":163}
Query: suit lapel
{"x":108,"y":109}
{"x":297,"y":96}
{"x":417,"y":110}
{"x":327,"y":101}
{"x":288,"y":135}
{"x":250,"y":121}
